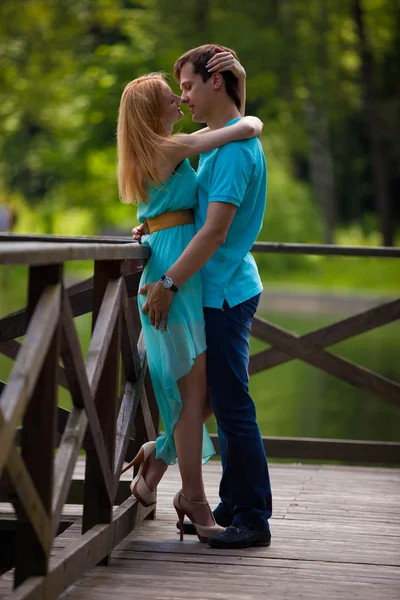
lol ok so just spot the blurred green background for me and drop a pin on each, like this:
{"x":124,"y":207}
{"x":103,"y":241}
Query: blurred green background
{"x":323,"y":75}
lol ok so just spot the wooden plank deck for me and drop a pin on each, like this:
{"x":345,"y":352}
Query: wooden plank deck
{"x":335,"y":534}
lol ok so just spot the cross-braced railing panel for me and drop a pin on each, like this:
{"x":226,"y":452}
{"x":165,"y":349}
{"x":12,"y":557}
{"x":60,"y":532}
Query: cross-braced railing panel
{"x":29,"y":381}
{"x":310,"y":348}
{"x":83,"y":380}
{"x":25,"y":498}
{"x":26,"y":371}
{"x":11,"y":349}
{"x":135,"y":366}
{"x":97,"y":420}
{"x":326,"y":336}
{"x":291,"y":346}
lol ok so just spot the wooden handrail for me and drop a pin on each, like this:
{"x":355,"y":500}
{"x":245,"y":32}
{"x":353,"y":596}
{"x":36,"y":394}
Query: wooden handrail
{"x":65,"y":239}
{"x":326,"y":250}
{"x":327,"y":449}
{"x":92,"y":242}
{"x":46,"y":253}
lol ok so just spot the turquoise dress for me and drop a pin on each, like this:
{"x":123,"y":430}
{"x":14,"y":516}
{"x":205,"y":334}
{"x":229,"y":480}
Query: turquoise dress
{"x":171,"y":353}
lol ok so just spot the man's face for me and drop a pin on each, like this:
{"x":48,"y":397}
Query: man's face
{"x":196,"y":93}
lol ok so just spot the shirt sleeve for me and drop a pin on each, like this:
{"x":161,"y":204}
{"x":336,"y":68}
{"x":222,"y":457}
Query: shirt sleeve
{"x":231,"y":174}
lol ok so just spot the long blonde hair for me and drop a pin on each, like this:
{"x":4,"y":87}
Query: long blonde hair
{"x":141,"y":134}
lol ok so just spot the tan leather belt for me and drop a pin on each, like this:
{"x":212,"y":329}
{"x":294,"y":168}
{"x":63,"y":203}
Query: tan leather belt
{"x":167,"y":220}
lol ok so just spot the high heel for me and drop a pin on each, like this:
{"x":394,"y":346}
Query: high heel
{"x":138,"y":487}
{"x":203,"y":531}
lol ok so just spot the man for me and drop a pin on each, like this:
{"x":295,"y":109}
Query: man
{"x":232,"y":192}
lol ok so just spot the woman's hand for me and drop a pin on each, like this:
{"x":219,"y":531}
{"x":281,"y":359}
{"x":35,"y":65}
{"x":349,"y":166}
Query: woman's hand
{"x":137,"y":233}
{"x":225,"y":61}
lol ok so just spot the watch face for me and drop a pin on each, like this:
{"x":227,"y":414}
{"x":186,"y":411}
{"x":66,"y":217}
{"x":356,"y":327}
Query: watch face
{"x":167,"y":282}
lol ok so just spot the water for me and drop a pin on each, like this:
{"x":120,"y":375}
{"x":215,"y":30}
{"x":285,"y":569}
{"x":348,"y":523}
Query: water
{"x":296,"y":399}
{"x":292,"y":399}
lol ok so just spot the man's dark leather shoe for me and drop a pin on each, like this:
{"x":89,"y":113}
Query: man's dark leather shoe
{"x":240,"y":537}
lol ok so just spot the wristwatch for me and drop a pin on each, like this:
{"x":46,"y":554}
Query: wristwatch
{"x":168,"y":284}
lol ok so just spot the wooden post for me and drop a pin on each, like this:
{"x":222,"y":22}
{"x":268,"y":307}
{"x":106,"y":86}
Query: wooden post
{"x":97,"y":503}
{"x":155,"y":414}
{"x":139,"y":429}
{"x":38,"y":437}
{"x":140,"y":432}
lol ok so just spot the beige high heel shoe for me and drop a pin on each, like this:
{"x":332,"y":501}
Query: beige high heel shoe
{"x":203,"y":531}
{"x":138,"y":487}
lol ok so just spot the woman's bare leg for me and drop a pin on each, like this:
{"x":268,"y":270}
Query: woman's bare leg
{"x":188,"y":437}
{"x":154,"y":471}
{"x":196,"y":410}
{"x":188,"y":434}
{"x":208,"y":411}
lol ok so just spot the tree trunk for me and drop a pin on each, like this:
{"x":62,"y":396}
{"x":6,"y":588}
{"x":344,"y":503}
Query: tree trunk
{"x":316,"y":108}
{"x":321,"y":165}
{"x":202,"y":9}
{"x":317,"y":104}
{"x":381,"y":184}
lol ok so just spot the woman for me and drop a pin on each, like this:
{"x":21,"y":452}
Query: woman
{"x":153,"y":167}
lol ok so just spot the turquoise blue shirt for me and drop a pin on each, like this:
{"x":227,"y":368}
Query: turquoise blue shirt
{"x":235,"y":173}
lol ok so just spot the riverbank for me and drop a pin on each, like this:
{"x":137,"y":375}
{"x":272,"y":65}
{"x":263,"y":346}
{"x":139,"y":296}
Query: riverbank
{"x":319,"y":301}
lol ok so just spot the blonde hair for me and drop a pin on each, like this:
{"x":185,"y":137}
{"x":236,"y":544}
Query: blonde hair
{"x":141,"y":135}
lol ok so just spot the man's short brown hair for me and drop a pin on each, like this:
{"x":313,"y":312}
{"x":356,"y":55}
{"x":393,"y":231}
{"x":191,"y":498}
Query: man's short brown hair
{"x":199,"y":57}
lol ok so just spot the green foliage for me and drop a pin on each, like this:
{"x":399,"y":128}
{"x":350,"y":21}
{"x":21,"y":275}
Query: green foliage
{"x":291,"y":213}
{"x":63,"y":66}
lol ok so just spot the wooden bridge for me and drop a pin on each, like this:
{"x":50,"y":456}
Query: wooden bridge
{"x":336,"y":529}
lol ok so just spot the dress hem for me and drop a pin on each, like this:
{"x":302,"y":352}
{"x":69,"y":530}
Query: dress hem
{"x":167,"y":438}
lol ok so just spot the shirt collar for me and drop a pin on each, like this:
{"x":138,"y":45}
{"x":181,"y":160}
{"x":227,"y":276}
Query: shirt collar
{"x":232,"y":121}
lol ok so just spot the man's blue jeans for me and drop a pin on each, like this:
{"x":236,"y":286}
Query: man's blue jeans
{"x":245,"y":489}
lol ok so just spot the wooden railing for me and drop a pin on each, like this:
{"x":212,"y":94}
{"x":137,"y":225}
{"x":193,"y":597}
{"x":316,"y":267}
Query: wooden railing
{"x":111,"y":424}
{"x":311,"y":348}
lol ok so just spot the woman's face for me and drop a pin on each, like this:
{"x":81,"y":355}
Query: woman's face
{"x":172,"y":111}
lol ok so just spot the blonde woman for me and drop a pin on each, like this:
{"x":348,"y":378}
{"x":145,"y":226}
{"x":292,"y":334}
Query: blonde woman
{"x":154,"y":170}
